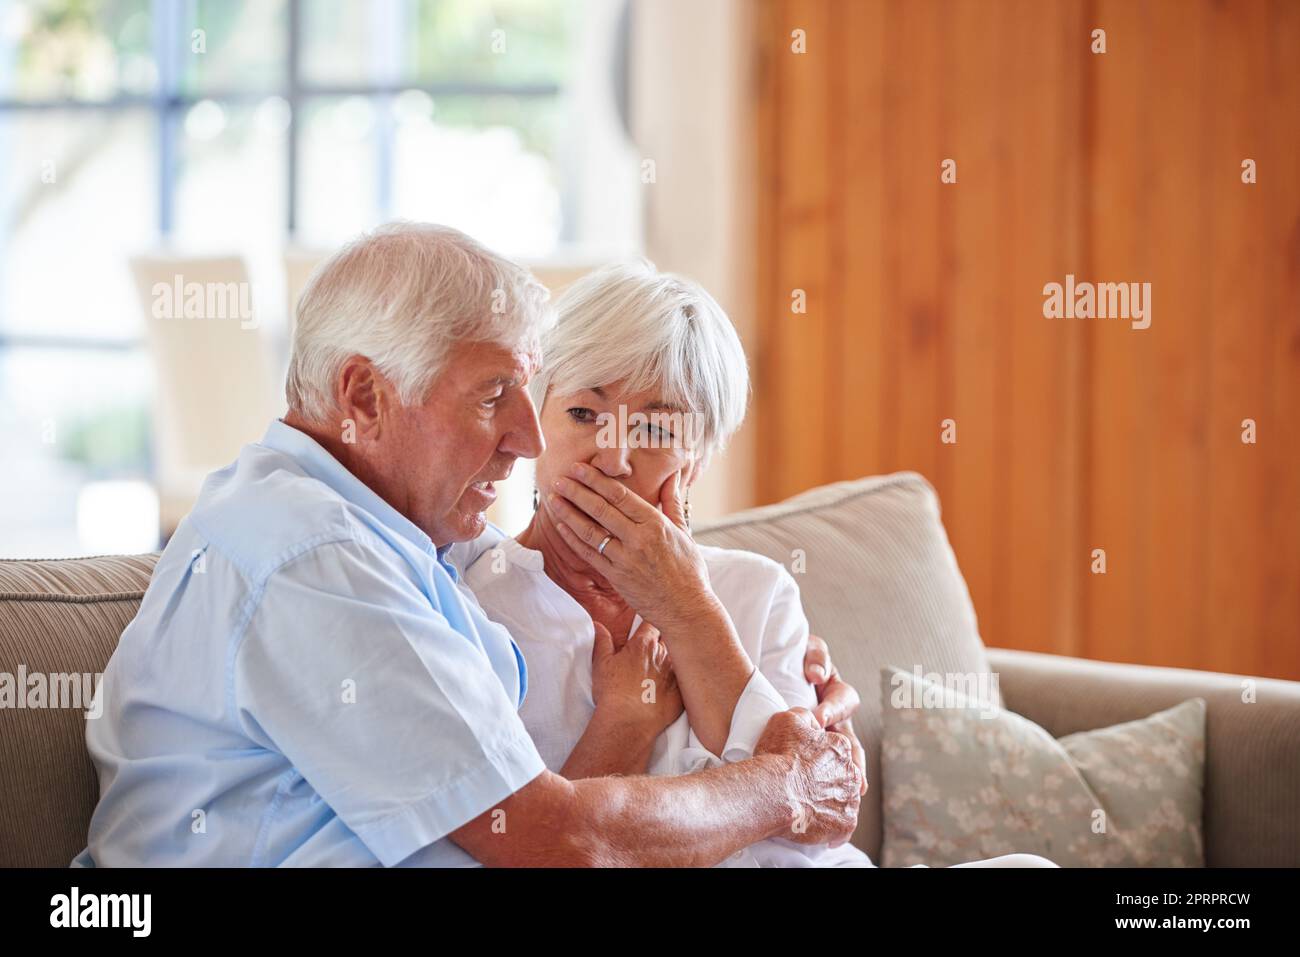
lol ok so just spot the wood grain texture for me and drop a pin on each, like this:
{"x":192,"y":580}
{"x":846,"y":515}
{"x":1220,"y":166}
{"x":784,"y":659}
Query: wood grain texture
{"x":1280,"y":632}
{"x":925,"y":303}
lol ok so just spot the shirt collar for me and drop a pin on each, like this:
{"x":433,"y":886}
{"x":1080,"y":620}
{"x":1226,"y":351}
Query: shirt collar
{"x":446,"y":562}
{"x":320,"y":465}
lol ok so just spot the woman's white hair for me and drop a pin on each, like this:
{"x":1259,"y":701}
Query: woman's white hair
{"x":651,"y":330}
{"x":401,"y":296}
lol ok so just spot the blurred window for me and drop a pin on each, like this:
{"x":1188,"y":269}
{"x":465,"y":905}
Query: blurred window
{"x":238,"y":126}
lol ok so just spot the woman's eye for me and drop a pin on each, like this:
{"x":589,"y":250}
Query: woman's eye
{"x":581,"y":415}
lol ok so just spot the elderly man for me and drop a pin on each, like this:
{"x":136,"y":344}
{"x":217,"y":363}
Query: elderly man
{"x":307,"y":682}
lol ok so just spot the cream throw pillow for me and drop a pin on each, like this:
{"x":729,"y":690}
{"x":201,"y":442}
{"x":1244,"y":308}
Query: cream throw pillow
{"x":962,"y":780}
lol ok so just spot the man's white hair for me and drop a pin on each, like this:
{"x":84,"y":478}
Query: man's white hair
{"x":401,"y":296}
{"x":651,"y":330}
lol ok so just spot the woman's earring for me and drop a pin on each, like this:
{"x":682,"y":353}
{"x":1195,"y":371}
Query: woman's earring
{"x":537,"y":497}
{"x":686,"y":509}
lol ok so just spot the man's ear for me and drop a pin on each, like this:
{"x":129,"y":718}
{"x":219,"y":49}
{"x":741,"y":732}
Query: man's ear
{"x":364,"y":396}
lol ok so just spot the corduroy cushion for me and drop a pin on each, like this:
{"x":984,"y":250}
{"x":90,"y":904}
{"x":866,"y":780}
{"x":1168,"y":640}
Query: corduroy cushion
{"x":56,"y":617}
{"x":879,"y":582}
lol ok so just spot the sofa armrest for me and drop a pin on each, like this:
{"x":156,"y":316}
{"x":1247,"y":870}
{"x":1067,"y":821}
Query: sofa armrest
{"x":1252,"y":759}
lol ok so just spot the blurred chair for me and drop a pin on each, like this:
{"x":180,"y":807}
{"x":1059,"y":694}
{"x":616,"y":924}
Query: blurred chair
{"x":215,"y":389}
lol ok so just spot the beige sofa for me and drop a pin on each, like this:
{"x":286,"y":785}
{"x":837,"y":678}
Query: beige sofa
{"x":879,"y":582}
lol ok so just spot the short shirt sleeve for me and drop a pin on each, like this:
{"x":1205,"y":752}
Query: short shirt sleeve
{"x":390,"y":714}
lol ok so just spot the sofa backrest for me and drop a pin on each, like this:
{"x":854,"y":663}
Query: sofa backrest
{"x":879,"y":582}
{"x":59,"y":622}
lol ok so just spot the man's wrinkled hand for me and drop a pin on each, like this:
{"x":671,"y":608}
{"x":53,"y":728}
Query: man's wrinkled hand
{"x":823,"y":784}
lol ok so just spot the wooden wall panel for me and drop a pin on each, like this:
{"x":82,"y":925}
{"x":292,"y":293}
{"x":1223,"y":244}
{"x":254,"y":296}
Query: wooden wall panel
{"x":1174,"y":224}
{"x":1120,"y":250}
{"x":973,"y":494}
{"x":1239,"y":249}
{"x":1280,"y":631}
{"x":803,"y":251}
{"x":1037,"y":526}
{"x":860,"y":363}
{"x":914,"y":303}
{"x":925,"y":303}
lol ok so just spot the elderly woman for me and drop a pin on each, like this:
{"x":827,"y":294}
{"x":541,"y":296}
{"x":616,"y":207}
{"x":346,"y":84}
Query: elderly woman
{"x":640,"y":643}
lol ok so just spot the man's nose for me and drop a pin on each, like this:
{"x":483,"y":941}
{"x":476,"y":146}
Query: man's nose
{"x":524,"y":439}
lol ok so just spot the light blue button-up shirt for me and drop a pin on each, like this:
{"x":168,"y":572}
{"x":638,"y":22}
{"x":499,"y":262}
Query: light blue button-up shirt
{"x":307,"y":682}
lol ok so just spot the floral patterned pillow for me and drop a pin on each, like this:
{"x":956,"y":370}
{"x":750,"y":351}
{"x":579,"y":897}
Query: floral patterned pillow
{"x":963,"y":780}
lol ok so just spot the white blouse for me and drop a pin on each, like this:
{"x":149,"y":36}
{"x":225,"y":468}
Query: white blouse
{"x":556,"y":636}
